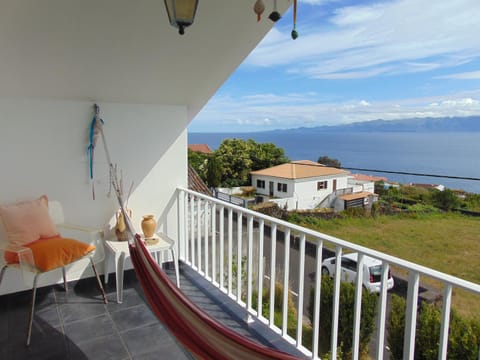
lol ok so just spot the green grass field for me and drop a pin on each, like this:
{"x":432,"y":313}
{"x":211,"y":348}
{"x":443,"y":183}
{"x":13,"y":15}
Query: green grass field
{"x":446,"y":242}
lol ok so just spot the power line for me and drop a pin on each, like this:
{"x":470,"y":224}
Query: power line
{"x":414,"y":174}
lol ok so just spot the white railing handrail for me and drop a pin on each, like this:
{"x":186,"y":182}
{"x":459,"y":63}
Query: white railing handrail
{"x":392,"y":260}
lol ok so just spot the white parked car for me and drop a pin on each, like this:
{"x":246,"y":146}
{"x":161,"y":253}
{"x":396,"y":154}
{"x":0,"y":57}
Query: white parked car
{"x":372,"y":271}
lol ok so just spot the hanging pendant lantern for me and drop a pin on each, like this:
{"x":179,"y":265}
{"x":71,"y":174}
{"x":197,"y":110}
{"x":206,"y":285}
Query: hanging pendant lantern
{"x":181,"y":13}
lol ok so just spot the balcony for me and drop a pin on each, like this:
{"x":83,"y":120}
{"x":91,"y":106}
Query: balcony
{"x":229,"y":257}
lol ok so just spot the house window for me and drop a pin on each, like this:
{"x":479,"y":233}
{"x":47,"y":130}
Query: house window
{"x":261,"y":184}
{"x":281,"y":187}
{"x":321,"y":185}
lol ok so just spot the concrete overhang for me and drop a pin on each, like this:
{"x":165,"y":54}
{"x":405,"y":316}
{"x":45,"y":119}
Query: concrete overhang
{"x":123,"y":50}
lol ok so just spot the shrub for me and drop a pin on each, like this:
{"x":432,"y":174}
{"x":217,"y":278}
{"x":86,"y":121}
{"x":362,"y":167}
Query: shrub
{"x":446,"y":200}
{"x":464,"y":336}
{"x":346,"y":315}
{"x":278,"y":306}
{"x":355,"y":212}
{"x":396,"y":327}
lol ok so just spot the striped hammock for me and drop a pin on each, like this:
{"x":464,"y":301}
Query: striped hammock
{"x":204,"y":337}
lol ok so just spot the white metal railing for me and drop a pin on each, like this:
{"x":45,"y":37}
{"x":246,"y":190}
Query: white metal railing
{"x":226,"y":244}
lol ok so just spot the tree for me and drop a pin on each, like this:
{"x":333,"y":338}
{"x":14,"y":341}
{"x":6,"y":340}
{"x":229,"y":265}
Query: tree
{"x":265,"y":155}
{"x":239,"y":157}
{"x":198,"y":161}
{"x":234,"y":155}
{"x":214,"y":172}
{"x":446,"y":200}
{"x":328,"y":161}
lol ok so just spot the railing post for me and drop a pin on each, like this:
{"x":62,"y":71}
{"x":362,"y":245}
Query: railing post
{"x":180,"y":224}
{"x":230,"y":255}
{"x":239,"y":255}
{"x":221,"y":218}
{"x":273,"y":259}
{"x":318,"y":292}
{"x":447,"y":301}
{"x":286,"y":270}
{"x":261,"y":229}
{"x":411,"y":315}
{"x":206,"y":211}
{"x":214,"y":242}
{"x":358,"y":307}
{"x":301,"y":274}
{"x":192,"y":230}
{"x":199,"y":235}
{"x":249,"y":261}
{"x":336,"y":301}
{"x":382,"y":312}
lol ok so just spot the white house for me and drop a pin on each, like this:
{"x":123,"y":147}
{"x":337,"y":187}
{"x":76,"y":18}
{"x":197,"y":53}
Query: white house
{"x":300,"y":184}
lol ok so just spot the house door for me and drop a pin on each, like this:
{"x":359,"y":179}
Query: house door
{"x":334,"y":185}
{"x":270,"y":188}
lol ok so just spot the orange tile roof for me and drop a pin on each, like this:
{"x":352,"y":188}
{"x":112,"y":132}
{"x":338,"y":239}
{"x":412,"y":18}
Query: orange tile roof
{"x":300,"y":170}
{"x":364,"y":177}
{"x":201,"y":148}
{"x":355,"y":196}
{"x":195,"y":183}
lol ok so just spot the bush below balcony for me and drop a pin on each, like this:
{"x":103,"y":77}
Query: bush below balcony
{"x":464,"y":337}
{"x":346,"y":315}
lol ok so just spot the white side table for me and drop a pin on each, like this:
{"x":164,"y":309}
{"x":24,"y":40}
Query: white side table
{"x":119,"y":249}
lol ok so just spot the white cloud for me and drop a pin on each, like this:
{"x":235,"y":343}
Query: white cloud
{"x":457,"y":103}
{"x":358,"y":15}
{"x":396,"y":37}
{"x":472,"y":75}
{"x":316,"y":2}
{"x":247,"y":114}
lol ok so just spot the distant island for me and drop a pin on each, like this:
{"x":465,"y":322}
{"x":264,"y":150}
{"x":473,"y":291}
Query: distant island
{"x":444,"y":124}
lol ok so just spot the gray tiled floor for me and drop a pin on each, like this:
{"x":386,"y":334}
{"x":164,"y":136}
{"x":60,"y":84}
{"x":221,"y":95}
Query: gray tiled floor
{"x":77,"y":325}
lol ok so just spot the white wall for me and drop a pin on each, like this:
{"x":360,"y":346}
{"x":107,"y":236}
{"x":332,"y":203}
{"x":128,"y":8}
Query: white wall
{"x":358,"y":185}
{"x":43,"y":147}
{"x":301,"y":193}
{"x":275,"y":180}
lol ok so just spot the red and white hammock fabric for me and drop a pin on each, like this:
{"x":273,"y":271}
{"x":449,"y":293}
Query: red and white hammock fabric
{"x":204,"y":337}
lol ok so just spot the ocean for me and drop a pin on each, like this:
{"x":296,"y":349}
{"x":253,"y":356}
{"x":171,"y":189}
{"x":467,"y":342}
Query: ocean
{"x":447,"y":154}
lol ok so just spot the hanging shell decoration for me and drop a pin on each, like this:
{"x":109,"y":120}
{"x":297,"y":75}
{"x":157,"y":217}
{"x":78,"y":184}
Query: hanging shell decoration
{"x":259,"y":8}
{"x":274,"y":15}
{"x":294,"y":31}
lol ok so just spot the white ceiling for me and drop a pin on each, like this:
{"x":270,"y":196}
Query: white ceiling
{"x":123,"y":50}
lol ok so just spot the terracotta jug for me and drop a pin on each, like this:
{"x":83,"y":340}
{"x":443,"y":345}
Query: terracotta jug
{"x":148,"y":226}
{"x":120,"y":226}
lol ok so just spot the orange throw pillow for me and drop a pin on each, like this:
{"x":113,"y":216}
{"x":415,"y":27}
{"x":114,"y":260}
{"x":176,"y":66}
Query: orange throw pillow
{"x":53,"y":253}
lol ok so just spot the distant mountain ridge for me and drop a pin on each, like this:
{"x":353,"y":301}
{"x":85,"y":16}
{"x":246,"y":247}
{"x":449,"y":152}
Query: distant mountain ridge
{"x":445,"y":124}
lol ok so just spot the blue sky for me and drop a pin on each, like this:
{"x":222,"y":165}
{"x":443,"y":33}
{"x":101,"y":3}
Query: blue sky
{"x":354,"y":61}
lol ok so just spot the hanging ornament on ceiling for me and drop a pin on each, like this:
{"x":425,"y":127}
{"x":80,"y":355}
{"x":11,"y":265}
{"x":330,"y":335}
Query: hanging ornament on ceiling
{"x":294,"y":31}
{"x":259,"y":8}
{"x":274,"y":15}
